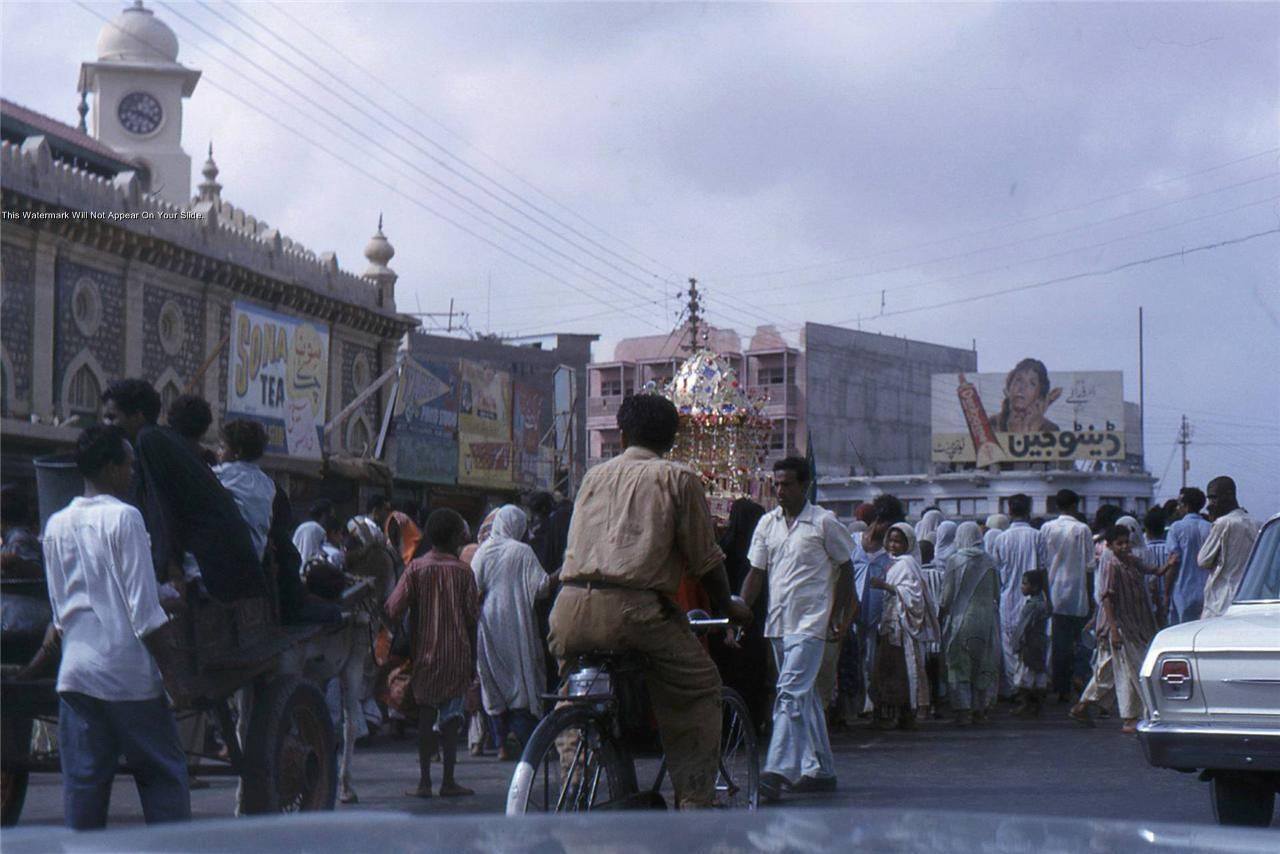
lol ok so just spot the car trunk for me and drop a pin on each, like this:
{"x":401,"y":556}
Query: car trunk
{"x":1236,"y":658}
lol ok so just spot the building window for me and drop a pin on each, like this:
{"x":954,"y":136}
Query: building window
{"x":782,"y":438}
{"x":611,"y":388}
{"x":173,"y":330}
{"x":772,"y":375}
{"x":86,"y":306}
{"x":609,"y":450}
{"x":1117,"y":500}
{"x":84,"y":392}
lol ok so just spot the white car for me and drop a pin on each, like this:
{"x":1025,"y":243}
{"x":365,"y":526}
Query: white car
{"x":1212,"y":694}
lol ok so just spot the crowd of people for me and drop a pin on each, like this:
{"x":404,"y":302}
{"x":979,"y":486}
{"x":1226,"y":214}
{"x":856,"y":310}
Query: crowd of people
{"x":878,"y":620}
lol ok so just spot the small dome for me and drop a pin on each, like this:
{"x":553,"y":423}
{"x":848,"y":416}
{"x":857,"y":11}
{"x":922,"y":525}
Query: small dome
{"x":379,"y":250}
{"x":137,"y":35}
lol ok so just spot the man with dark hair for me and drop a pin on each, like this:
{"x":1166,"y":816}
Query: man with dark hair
{"x":439,"y":592}
{"x":1160,"y":587}
{"x":641,"y":525}
{"x":242,"y":444}
{"x":1226,"y":550}
{"x":309,"y":537}
{"x":106,"y":607}
{"x":184,"y":506}
{"x":1016,"y":551}
{"x":806,"y":556}
{"x":190,"y":415}
{"x":1066,"y":553}
{"x":1186,"y":536}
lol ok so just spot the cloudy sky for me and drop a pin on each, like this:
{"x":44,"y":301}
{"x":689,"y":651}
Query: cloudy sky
{"x":954,"y":173}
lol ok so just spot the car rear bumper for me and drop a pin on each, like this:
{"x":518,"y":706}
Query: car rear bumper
{"x":1195,"y":746}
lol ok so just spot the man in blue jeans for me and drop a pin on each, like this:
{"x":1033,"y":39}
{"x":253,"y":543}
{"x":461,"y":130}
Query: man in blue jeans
{"x":102,"y":586}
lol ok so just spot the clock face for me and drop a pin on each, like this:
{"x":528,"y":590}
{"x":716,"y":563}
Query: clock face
{"x":139,"y":113}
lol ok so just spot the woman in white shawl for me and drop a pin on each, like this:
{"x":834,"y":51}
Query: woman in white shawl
{"x":927,"y":527}
{"x":996,"y":523}
{"x":907,"y":625}
{"x":509,"y":655}
{"x":970,"y":604}
{"x":945,"y":544}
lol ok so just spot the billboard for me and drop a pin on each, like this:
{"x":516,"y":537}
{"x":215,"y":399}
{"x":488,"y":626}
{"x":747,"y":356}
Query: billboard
{"x":527,"y":430}
{"x":1029,"y":414}
{"x":484,"y":426}
{"x":425,"y":421}
{"x":278,"y":374}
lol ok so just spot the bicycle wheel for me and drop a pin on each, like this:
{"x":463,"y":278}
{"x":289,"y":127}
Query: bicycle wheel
{"x":571,"y":764}
{"x":738,"y":778}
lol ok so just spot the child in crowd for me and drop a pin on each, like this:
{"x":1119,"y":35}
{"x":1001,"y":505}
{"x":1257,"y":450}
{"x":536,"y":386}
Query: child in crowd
{"x":1032,"y":644}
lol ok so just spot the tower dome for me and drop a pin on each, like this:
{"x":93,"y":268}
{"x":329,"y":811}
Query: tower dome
{"x":137,"y":35}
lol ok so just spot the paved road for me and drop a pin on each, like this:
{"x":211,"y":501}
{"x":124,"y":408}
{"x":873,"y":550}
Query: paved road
{"x":1045,"y":767}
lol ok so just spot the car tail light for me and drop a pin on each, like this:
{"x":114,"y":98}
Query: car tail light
{"x":1175,"y":678}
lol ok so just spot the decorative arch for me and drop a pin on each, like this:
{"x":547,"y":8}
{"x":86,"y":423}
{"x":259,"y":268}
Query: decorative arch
{"x":170,"y":385}
{"x":79,"y":381}
{"x":360,"y":435}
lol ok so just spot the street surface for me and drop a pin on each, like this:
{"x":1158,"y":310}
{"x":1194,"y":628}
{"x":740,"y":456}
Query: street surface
{"x":1048,"y":767}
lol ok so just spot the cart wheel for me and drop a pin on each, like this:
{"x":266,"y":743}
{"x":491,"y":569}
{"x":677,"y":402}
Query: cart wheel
{"x":15,"y":735}
{"x":290,"y":764}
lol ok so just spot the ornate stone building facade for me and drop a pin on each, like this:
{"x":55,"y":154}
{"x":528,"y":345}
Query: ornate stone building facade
{"x":102,"y":279}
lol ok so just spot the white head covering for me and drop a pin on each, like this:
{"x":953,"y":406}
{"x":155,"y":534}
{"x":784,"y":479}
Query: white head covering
{"x":509,"y":522}
{"x":946,"y":544}
{"x":997,"y":522}
{"x":1136,"y":539}
{"x":913,"y":544}
{"x":968,"y":535}
{"x":927,"y":527}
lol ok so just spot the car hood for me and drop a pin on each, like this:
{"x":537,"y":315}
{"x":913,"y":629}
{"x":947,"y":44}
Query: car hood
{"x":1254,"y":627}
{"x":772,"y":831}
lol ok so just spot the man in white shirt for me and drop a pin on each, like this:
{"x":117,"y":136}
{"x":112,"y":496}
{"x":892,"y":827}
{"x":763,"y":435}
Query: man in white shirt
{"x":309,"y":538}
{"x":805,"y":554}
{"x":1226,"y":550}
{"x":1066,"y":553}
{"x":1016,"y":552}
{"x":102,"y":587}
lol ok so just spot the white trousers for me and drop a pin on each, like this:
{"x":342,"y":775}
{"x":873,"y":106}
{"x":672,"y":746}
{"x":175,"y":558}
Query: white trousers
{"x":799,"y":745}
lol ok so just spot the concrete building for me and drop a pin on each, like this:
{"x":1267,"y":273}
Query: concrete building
{"x":862,"y":398}
{"x":548,"y":433}
{"x":106,"y":274}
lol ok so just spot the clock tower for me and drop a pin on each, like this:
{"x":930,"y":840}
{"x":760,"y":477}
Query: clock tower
{"x":138,"y":87}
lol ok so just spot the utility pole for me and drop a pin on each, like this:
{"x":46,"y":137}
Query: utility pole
{"x":695,"y":314}
{"x":1184,"y":439}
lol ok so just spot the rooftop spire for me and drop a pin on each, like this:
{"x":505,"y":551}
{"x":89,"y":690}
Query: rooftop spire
{"x":379,"y":253}
{"x":210,"y":189}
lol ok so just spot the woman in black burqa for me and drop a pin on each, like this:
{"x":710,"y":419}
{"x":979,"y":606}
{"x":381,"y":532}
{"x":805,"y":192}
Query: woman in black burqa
{"x":746,"y":670}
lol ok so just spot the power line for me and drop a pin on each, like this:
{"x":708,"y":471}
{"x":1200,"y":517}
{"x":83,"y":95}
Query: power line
{"x":439,"y":162}
{"x":902,"y":267}
{"x":1006,"y":267}
{"x":372,"y":176}
{"x":993,"y":229}
{"x":447,"y":187}
{"x":419,"y":110}
{"x":1182,"y":253}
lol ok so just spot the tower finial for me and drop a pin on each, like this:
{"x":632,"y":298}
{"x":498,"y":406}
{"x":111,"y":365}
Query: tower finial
{"x":83,"y":110}
{"x":379,"y":222}
{"x":210,"y":189}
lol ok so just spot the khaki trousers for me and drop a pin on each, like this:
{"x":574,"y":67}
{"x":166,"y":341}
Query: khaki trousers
{"x":683,"y":683}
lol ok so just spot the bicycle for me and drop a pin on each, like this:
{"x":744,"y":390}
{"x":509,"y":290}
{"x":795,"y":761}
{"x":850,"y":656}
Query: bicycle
{"x":582,"y":756}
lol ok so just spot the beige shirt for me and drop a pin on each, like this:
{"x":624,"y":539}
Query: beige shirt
{"x":1224,"y":554}
{"x":640,"y":521}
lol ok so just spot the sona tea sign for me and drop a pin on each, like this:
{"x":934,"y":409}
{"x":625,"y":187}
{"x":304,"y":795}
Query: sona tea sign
{"x":1030,"y":414}
{"x":278,"y":374}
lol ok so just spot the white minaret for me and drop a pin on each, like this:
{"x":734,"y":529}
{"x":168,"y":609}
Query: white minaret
{"x":138,"y":86}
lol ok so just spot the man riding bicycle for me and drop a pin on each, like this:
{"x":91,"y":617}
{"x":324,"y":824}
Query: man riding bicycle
{"x":641,"y":524}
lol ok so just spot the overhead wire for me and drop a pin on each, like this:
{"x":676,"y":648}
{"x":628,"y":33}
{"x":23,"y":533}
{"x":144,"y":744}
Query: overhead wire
{"x":1005,"y":226}
{"x":371,"y":175}
{"x":433,"y":179}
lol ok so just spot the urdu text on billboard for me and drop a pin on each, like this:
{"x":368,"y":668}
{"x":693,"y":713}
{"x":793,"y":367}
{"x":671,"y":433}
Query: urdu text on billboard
{"x":278,"y":372}
{"x":1029,"y":414}
{"x":425,"y":421}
